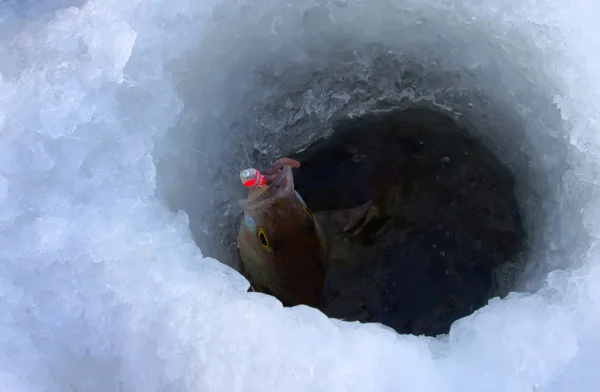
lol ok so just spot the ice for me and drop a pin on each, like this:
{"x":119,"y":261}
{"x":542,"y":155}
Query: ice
{"x":115,"y":116}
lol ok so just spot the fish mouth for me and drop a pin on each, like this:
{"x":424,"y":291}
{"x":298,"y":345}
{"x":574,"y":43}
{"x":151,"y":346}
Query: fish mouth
{"x":284,"y":182}
{"x":279,"y":184}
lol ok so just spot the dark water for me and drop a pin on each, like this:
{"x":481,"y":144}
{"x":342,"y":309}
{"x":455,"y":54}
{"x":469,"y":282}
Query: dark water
{"x":446,"y":219}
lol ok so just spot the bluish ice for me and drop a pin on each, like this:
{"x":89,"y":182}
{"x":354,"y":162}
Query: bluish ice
{"x":119,"y":120}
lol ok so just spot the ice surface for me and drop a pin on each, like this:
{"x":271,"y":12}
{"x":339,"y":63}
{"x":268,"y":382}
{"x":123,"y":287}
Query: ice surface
{"x":102,"y":286}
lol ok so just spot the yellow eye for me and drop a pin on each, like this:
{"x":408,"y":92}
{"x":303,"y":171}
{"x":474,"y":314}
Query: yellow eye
{"x":263,"y":239}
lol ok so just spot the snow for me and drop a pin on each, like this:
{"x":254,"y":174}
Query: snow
{"x":118,"y":116}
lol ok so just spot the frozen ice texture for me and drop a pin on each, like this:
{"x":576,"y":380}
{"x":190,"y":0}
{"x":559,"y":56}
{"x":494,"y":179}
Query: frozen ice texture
{"x":115,"y":115}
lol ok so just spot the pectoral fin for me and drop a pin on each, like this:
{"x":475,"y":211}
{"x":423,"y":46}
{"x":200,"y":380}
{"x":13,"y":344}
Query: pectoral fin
{"x":356,"y":215}
{"x":359,"y":217}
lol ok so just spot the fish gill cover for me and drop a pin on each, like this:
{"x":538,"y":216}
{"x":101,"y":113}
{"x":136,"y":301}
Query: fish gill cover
{"x":102,"y":286}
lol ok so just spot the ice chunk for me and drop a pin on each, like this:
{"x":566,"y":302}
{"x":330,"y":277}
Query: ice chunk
{"x":3,"y":188}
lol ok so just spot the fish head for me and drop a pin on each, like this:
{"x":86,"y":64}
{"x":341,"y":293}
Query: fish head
{"x":282,"y":244}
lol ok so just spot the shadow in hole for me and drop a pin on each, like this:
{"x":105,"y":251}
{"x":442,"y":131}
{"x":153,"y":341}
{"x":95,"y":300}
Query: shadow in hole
{"x":443,"y":219}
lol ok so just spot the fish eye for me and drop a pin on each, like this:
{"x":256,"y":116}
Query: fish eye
{"x":263,"y":239}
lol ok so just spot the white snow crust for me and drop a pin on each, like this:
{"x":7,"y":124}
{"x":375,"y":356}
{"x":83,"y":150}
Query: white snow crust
{"x":116,"y":116}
